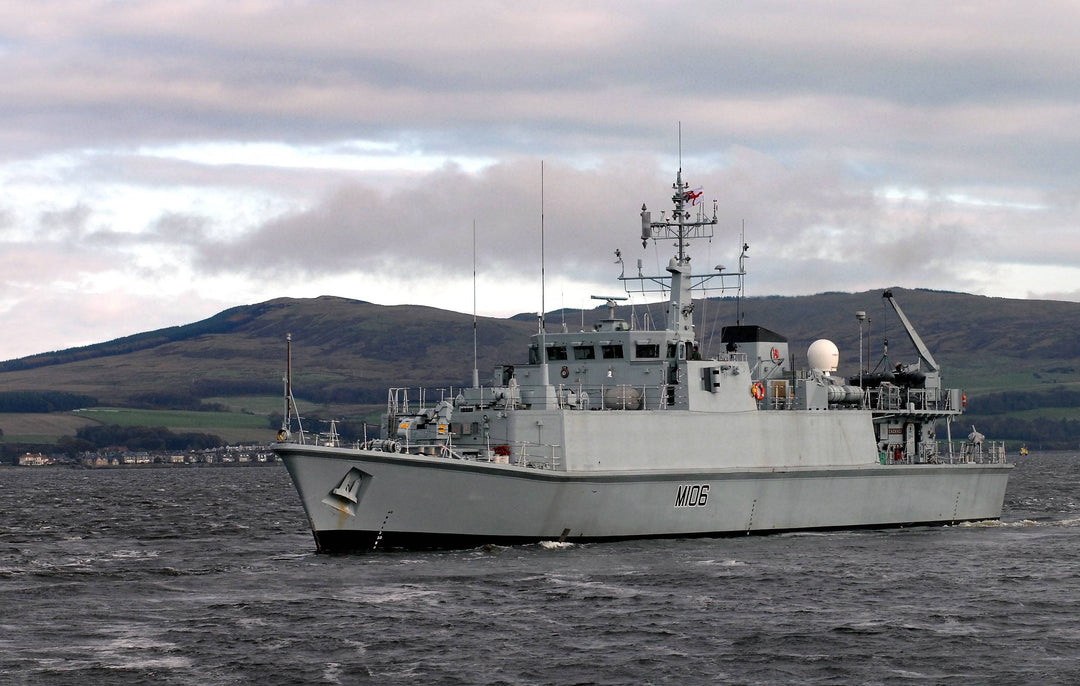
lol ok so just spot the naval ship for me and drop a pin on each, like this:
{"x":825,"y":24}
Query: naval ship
{"x":627,"y":431}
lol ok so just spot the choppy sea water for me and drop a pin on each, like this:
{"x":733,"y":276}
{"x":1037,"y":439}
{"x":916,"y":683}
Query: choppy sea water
{"x":209,"y":576}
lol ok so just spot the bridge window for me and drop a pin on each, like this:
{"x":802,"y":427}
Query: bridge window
{"x":556,"y":352}
{"x":584,"y":352}
{"x":647,"y":350}
{"x":611,"y":352}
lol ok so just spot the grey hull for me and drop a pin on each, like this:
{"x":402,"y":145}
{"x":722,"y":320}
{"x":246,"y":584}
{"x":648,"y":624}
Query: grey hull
{"x":357,"y":499}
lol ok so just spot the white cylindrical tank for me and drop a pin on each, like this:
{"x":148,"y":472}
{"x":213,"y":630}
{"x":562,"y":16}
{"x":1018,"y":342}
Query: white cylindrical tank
{"x":823,"y":355}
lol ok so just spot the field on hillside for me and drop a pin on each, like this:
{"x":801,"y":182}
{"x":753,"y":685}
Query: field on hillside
{"x":30,"y":427}
{"x":232,"y":427}
{"x":266,"y":405}
{"x":980,"y":377}
{"x":174,"y":419}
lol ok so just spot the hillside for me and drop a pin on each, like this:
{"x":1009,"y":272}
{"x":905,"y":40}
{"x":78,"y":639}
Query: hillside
{"x":350,"y":351}
{"x":346,"y":353}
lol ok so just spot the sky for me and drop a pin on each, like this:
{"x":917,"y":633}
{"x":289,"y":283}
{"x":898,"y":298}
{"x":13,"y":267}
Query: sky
{"x":161,"y":161}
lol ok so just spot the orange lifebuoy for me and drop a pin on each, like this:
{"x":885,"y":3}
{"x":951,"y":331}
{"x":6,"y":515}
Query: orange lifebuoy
{"x":565,"y":372}
{"x":758,"y":390}
{"x":775,"y":355}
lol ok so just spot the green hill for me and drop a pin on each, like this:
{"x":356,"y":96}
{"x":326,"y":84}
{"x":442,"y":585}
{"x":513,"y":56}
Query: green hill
{"x":346,"y":353}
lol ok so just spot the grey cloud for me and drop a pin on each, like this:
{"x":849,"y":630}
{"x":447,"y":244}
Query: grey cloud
{"x":428,"y":225}
{"x":801,"y":119}
{"x":810,"y":213}
{"x":477,"y":77}
{"x":7,"y":220}
{"x":70,"y":222}
{"x":179,"y":229}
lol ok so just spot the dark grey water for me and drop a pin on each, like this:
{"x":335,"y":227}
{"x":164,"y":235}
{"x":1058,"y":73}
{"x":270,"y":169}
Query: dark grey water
{"x":208,"y":576}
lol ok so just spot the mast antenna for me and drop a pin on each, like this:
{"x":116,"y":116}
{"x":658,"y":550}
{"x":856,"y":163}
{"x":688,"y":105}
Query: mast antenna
{"x":475,"y":372}
{"x":680,"y":146}
{"x":543,"y":282}
{"x":742,"y":273}
{"x":543,"y":302}
{"x":286,"y":422}
{"x":290,"y":403}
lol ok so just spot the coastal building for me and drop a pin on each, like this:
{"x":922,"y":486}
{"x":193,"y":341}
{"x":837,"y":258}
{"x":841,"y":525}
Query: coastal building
{"x":34,"y":460}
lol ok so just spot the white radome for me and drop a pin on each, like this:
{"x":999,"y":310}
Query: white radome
{"x":823,"y":355}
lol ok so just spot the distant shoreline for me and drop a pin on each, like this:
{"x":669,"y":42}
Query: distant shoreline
{"x":152,"y":465}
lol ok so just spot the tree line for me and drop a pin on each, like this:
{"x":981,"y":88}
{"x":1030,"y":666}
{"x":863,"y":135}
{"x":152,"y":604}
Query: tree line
{"x":1019,"y":401}
{"x":1040,"y":432}
{"x":44,"y":401}
{"x":135,"y":439}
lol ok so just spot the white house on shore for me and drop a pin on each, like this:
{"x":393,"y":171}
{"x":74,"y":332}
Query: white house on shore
{"x":34,"y":460}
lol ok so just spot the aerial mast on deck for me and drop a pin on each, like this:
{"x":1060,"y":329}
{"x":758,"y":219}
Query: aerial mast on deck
{"x":682,"y":227}
{"x":290,"y":403}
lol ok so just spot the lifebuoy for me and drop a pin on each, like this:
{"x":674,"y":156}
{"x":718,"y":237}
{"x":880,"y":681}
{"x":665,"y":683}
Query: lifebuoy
{"x":775,"y":355}
{"x":565,"y":372}
{"x":757,"y":390}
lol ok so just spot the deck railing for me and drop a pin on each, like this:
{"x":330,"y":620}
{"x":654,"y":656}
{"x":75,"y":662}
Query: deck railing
{"x":614,"y":396}
{"x":954,"y":452}
{"x":901,"y":398}
{"x":520,"y":453}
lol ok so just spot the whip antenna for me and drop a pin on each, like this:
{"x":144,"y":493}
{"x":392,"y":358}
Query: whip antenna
{"x":543,"y":302}
{"x":475,"y":372}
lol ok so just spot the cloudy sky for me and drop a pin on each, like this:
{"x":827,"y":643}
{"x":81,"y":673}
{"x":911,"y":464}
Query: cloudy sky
{"x":162,"y":161}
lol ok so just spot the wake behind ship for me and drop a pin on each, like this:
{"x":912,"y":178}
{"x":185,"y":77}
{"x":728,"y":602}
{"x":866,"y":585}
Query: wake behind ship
{"x":626,"y":432}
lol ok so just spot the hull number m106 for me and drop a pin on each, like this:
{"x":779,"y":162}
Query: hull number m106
{"x":692,"y":495}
